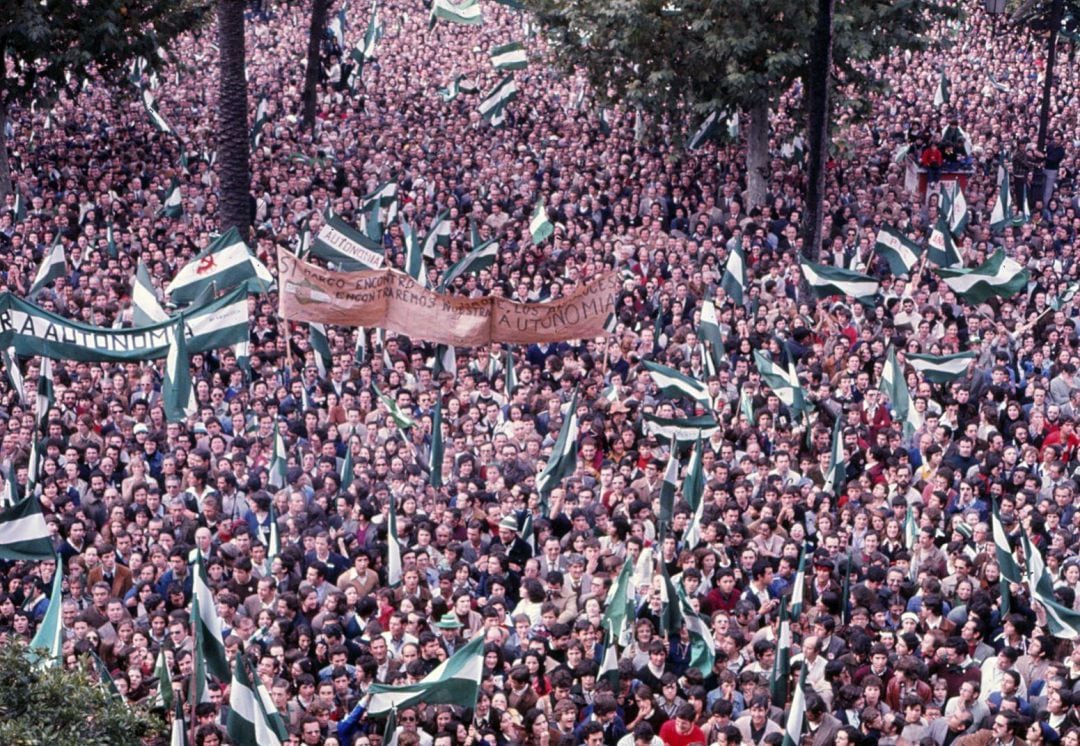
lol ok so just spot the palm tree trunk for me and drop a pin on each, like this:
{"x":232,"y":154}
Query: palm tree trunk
{"x":311,"y":76}
{"x":817,"y":128}
{"x":757,"y":153}
{"x":234,"y":155}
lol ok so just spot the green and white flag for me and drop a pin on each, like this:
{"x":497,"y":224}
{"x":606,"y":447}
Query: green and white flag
{"x":609,"y":664}
{"x":563,"y":459}
{"x":509,"y":56}
{"x":999,"y":276}
{"x":261,"y":118}
{"x":668,"y":488}
{"x":686,"y":430}
{"x":693,"y":486}
{"x":900,"y":252}
{"x":798,"y":590}
{"x":940,"y":247}
{"x":345,"y":248}
{"x":178,"y":735}
{"x":895,"y":388}
{"x":493,"y":106}
{"x":46,"y":392}
{"x":941,"y":93}
{"x":373,"y":33}
{"x":414,"y":257}
{"x":734,"y":279}
{"x":702,"y":655}
{"x":1003,"y":553}
{"x":954,"y":206}
{"x":360,"y":349}
{"x":253,"y":720}
{"x":33,"y":465}
{"x":50,"y":633}
{"x":339,"y":24}
{"x":1001,"y":217}
{"x":438,"y":450}
{"x":705,"y":132}
{"x":320,"y":348}
{"x":23,"y":532}
{"x":781,"y":670}
{"x":620,"y":607}
{"x":445,"y":360}
{"x":53,"y":266}
{"x":472,"y":263}
{"x":178,"y":392}
{"x":345,"y":475}
{"x":455,"y":681}
{"x":835,"y":476}
{"x":692,"y":534}
{"x":14,"y":373}
{"x":402,"y":419}
{"x":155,"y":116}
{"x":227,"y":262}
{"x":825,"y":281}
{"x":540,"y":228}
{"x":273,"y":541}
{"x":797,"y":714}
{"x":510,"y":374}
{"x":209,"y":642}
{"x":458,"y":84}
{"x":1062,"y":621}
{"x":709,"y":332}
{"x":163,"y":699}
{"x":173,"y":206}
{"x":145,"y":307}
{"x":941,"y":368}
{"x":784,"y":383}
{"x":393,"y":546}
{"x":675,"y":384}
{"x":467,"y":13}
{"x":279,"y":462}
{"x":997,"y":85}
{"x":439,"y":235}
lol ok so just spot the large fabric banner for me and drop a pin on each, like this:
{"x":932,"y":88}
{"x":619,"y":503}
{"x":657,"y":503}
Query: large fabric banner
{"x":34,"y":331}
{"x":393,"y":300}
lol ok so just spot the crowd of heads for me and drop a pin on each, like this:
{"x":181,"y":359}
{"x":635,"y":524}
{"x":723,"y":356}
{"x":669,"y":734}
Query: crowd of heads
{"x":903,"y":634}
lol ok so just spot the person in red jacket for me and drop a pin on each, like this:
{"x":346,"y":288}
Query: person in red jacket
{"x":682,"y":731}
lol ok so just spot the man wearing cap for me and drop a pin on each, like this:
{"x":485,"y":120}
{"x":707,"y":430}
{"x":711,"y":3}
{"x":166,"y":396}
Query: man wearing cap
{"x":449,"y":632}
{"x":517,"y":549}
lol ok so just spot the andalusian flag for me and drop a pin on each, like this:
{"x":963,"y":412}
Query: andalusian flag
{"x":540,"y":227}
{"x":620,"y":607}
{"x":174,"y":201}
{"x":705,"y":132}
{"x":1001,"y":217}
{"x":253,"y":720}
{"x":401,"y":419}
{"x":227,"y":262}
{"x":393,"y":546}
{"x":53,"y":267}
{"x":900,"y":252}
{"x":693,"y":486}
{"x":178,"y":393}
{"x":373,"y":33}
{"x":455,"y":681}
{"x":155,"y":116}
{"x":209,"y":642}
{"x":825,"y":281}
{"x":895,"y":388}
{"x":414,"y":258}
{"x":509,"y":56}
{"x":941,"y":93}
{"x":178,"y":735}
{"x":999,"y":276}
{"x":279,"y":462}
{"x":511,"y":375}
{"x":439,"y":235}
{"x":23,"y":532}
{"x":14,"y":373}
{"x":472,"y":263}
{"x":261,"y":118}
{"x":734,"y":279}
{"x":798,"y":589}
{"x":675,"y":384}
{"x":784,"y":383}
{"x":50,"y":633}
{"x":46,"y":391}
{"x":320,"y":348}
{"x":563,"y":459}
{"x":493,"y":106}
{"x":445,"y":360}
{"x":1003,"y":553}
{"x":668,"y":488}
{"x":437,"y":448}
{"x":145,"y":308}
{"x":781,"y":671}
{"x":940,"y":247}
{"x":338,"y":26}
{"x":684,"y":430}
{"x":164,"y":697}
{"x":1062,"y":621}
{"x":797,"y":714}
{"x":709,"y":332}
{"x":941,"y":368}
{"x":954,"y":206}
{"x":467,"y":12}
{"x":835,"y":477}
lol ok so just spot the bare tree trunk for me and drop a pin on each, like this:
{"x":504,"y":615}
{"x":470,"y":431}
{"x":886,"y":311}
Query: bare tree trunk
{"x":757,"y":154}
{"x":234,"y":154}
{"x":311,"y":76}
{"x":817,"y":128}
{"x":1056,"y":12}
{"x":5,"y":163}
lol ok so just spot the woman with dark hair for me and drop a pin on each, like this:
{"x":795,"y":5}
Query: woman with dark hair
{"x":537,"y":732}
{"x":538,"y":680}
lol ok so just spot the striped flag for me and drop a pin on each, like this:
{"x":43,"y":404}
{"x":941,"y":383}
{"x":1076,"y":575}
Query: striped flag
{"x":705,"y":132}
{"x":50,"y":633}
{"x":455,"y":681}
{"x":46,"y":392}
{"x":209,"y":643}
{"x":709,"y":332}
{"x":53,"y":267}
{"x":472,"y":263}
{"x":414,"y":258}
{"x":338,"y":25}
{"x":693,"y":486}
{"x":1003,"y":553}
{"x":437,"y":448}
{"x":467,"y":13}
{"x":895,"y":388}
{"x":563,"y":459}
{"x":345,"y":475}
{"x":954,"y":206}
{"x":620,"y":607}
{"x":320,"y":348}
{"x":145,"y":308}
{"x":692,"y":534}
{"x":251,"y":720}
{"x":668,"y":488}
{"x":686,"y":430}
{"x":835,"y":477}
{"x":797,"y":714}
{"x":346,"y":248}
{"x":784,"y":383}
{"x":1062,"y":621}
{"x":540,"y":228}
{"x":941,"y":93}
{"x":734,"y":279}
{"x":393,"y":546}
{"x":279,"y":462}
{"x":940,"y":247}
{"x":458,"y":84}
{"x":941,"y":368}
{"x":401,"y":419}
{"x":14,"y":373}
{"x":825,"y":281}
{"x":780,"y":676}
{"x":509,"y":56}
{"x":360,"y":349}
{"x":227,"y":262}
{"x":178,"y":735}
{"x":445,"y":360}
{"x":511,"y":374}
{"x":438,"y":235}
{"x":262,"y":116}
{"x":675,"y":384}
{"x":155,"y":116}
{"x":179,"y":393}
{"x":1001,"y":217}
{"x":493,"y":106}
{"x":997,"y":85}
{"x":163,"y":699}
{"x":999,"y":276}
{"x":373,"y":33}
{"x":900,"y":252}
{"x":173,"y":206}
{"x":798,"y":590}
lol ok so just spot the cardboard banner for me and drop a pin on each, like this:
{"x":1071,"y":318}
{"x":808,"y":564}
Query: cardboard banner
{"x":392,"y":300}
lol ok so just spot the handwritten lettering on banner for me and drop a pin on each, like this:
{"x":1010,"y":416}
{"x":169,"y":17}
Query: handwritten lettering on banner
{"x":393,"y":300}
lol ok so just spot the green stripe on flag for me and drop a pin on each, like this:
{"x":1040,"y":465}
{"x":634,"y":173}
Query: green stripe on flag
{"x":900,"y":252}
{"x":941,"y":368}
{"x":999,"y":276}
{"x":455,"y":681}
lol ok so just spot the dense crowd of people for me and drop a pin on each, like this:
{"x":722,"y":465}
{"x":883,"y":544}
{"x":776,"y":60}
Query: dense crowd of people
{"x":903,"y":637}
